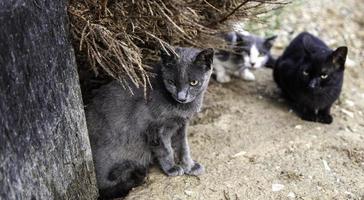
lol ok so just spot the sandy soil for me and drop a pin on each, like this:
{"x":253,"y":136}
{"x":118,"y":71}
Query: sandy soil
{"x":254,"y":147}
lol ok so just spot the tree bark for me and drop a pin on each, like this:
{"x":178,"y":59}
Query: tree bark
{"x":44,"y":146}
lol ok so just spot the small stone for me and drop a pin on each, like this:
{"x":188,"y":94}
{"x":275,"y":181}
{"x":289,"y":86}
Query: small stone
{"x":349,"y":103}
{"x":291,"y":195}
{"x":350,"y":63}
{"x":241,"y":153}
{"x":360,"y":113}
{"x":299,"y":127}
{"x":326,"y":166}
{"x":276,"y":187}
{"x":188,"y":192}
{"x":348,"y":113}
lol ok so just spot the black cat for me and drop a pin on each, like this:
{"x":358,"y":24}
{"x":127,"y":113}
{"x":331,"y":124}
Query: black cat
{"x":310,"y":75}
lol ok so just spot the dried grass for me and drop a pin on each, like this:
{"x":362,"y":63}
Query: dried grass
{"x":121,"y":37}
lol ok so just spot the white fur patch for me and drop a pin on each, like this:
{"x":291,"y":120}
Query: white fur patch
{"x":255,"y":59}
{"x":248,"y":75}
{"x":261,"y":61}
{"x":254,"y":54}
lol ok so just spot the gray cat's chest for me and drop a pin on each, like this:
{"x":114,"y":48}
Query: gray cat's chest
{"x":162,"y":106}
{"x":174,"y":113}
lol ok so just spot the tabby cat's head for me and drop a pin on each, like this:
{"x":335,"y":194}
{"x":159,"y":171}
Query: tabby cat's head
{"x":256,"y":50}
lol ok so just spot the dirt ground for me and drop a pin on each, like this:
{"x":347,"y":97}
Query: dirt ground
{"x":254,"y":147}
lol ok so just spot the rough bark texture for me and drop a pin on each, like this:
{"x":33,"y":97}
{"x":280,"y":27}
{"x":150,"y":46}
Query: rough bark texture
{"x":44,"y":147}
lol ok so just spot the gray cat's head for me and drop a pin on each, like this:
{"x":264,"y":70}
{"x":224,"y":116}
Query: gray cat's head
{"x":256,"y":50}
{"x":186,"y":75}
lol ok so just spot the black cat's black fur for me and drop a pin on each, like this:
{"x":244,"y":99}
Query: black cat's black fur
{"x":310,"y":76}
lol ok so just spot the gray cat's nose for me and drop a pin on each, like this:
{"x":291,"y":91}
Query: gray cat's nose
{"x":182,"y":96}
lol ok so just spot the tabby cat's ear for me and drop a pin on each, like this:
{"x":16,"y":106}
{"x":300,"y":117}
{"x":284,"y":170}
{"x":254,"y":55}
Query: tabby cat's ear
{"x":338,"y":57}
{"x":168,"y":55}
{"x":268,"y":42}
{"x":205,"y":58}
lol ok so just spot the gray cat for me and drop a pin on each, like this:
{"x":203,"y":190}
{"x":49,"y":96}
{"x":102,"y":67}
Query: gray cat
{"x":247,"y":52}
{"x":128,"y":132}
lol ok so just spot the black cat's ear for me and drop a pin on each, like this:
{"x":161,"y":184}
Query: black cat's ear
{"x":268,"y":42}
{"x":338,"y":57}
{"x":168,"y":55}
{"x":205,"y":58}
{"x":308,"y":44}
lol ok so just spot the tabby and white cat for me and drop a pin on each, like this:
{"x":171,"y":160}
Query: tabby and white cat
{"x":246,"y":52}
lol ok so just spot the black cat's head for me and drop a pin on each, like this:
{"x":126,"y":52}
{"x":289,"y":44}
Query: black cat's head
{"x":320,"y":67}
{"x":186,"y":75}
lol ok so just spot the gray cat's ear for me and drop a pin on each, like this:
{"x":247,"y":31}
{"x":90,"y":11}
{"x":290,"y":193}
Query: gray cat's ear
{"x":167,"y":55}
{"x":338,"y":57}
{"x":205,"y":58}
{"x":268,"y":42}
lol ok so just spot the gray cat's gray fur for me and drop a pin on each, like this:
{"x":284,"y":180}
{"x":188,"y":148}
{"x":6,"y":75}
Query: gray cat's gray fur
{"x":128,"y":132}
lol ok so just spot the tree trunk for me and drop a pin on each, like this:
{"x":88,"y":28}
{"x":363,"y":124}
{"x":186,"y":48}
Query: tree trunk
{"x":44,"y":146}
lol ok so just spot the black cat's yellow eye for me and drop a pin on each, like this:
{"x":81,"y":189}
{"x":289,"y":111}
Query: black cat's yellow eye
{"x":305,"y":73}
{"x":194,"y":82}
{"x":324,"y":76}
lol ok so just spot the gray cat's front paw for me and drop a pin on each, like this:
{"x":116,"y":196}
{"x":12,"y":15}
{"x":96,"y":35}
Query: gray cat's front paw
{"x":196,"y":169}
{"x":175,"y":171}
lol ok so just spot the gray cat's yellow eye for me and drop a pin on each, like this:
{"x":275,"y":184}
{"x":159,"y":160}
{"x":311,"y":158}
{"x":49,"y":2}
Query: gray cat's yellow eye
{"x":305,"y":73}
{"x":194,"y":82}
{"x":324,"y":76}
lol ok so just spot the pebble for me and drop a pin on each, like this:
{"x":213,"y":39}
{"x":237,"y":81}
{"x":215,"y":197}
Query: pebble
{"x":291,"y":195}
{"x":241,"y":153}
{"x":326,"y":166}
{"x":349,"y":103}
{"x":299,"y":127}
{"x":348,"y":113}
{"x":188,"y":192}
{"x":350,"y":63}
{"x":276,"y":187}
{"x":360,"y":113}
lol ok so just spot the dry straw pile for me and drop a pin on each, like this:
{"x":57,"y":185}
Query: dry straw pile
{"x":121,"y":36}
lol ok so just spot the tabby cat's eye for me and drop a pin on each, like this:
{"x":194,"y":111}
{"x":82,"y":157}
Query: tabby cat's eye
{"x":324,"y":76}
{"x":170,"y":81}
{"x":194,"y":82}
{"x":305,"y":73}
